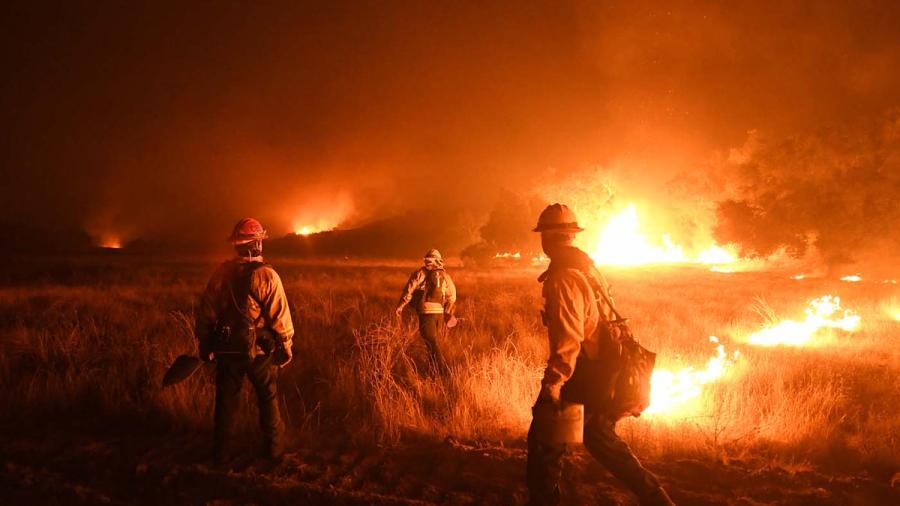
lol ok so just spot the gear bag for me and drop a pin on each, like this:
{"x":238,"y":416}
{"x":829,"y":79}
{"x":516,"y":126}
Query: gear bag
{"x":235,"y":332}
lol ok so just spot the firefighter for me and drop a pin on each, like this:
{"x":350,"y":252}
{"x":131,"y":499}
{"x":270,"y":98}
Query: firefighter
{"x":244,"y":325}
{"x":574,"y":317}
{"x":436,"y":301}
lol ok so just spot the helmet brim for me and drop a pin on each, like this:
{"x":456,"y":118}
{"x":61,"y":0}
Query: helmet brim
{"x":245,"y":240}
{"x":564,"y":228}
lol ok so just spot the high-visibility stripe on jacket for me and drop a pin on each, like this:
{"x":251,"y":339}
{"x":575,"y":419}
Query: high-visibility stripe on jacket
{"x":266,"y":303}
{"x":418,"y":282}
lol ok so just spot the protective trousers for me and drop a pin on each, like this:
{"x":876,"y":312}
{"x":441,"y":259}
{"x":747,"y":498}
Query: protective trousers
{"x":429,"y":325}
{"x":544,"y":467}
{"x":263,"y":376}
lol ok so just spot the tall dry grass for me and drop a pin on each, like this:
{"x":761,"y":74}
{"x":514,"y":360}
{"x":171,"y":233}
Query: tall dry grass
{"x":92,"y":345}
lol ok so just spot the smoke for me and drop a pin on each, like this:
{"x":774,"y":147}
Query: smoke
{"x":146,"y":122}
{"x":835,"y":191}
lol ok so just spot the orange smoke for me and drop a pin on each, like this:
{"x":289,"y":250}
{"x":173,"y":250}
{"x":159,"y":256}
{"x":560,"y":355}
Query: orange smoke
{"x":321,"y":214}
{"x":109,"y":242}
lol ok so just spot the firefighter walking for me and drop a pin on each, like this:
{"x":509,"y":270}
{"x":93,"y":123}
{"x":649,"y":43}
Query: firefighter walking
{"x":576,"y":316}
{"x":435,"y":296}
{"x":244,"y":325}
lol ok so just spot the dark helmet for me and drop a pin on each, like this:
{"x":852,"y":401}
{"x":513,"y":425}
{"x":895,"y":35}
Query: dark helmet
{"x":558,"y":218}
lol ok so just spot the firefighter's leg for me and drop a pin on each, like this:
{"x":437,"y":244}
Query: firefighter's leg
{"x":229,"y":377}
{"x":609,"y":449}
{"x":264,"y":377}
{"x":543,"y":470}
{"x":428,"y":328}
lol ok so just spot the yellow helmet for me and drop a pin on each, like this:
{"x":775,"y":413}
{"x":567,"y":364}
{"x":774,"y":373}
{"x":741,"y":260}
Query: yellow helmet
{"x":557,"y":218}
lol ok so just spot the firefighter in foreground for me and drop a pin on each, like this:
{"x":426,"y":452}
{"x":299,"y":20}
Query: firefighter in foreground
{"x":436,"y":301}
{"x":577,"y":313}
{"x":244,"y":324}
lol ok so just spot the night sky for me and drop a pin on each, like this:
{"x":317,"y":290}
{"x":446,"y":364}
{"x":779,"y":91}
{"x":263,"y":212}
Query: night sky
{"x":171,"y":122}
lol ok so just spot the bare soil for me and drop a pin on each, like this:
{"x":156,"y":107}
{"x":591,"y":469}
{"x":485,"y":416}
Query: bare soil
{"x":50,"y":466}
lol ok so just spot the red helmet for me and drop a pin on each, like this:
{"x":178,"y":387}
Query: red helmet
{"x":246,"y":230}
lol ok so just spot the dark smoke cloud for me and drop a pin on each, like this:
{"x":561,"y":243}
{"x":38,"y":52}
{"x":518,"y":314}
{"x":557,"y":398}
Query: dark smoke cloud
{"x":837,"y":191}
{"x":170,"y":124}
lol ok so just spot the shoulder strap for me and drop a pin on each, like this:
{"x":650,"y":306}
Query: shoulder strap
{"x":599,"y":288}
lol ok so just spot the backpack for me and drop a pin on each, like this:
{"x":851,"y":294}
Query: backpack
{"x":435,"y":287}
{"x":235,"y":333}
{"x":618,"y":381}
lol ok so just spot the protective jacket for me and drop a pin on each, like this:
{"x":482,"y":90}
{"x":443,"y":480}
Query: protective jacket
{"x":248,"y":290}
{"x":435,"y":291}
{"x":574,"y":313}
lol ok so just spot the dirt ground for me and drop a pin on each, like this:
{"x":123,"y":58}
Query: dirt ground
{"x":49,"y":466}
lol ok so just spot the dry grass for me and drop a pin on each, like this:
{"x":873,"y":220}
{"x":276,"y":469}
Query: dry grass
{"x":92,"y":343}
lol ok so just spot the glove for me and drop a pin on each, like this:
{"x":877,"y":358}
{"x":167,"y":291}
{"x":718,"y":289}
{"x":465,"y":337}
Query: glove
{"x":451,"y":320}
{"x":549,"y":394}
{"x":282,"y":355}
{"x":204,"y":351}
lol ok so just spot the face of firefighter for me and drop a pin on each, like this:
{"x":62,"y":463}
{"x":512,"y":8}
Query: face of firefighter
{"x":552,"y":241}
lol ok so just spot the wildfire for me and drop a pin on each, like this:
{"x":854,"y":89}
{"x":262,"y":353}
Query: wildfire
{"x":309,"y":230}
{"x":853,"y":278}
{"x":507,"y":254}
{"x":110,"y":242}
{"x":677,"y":392}
{"x":622,"y":242}
{"x":798,"y":277}
{"x":891,"y":308}
{"x":822,"y":313}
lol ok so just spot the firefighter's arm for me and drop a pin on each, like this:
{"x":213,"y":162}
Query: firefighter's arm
{"x":205,"y":319}
{"x":415,"y":281}
{"x":565,"y":311}
{"x":450,"y":301}
{"x":269,"y":292}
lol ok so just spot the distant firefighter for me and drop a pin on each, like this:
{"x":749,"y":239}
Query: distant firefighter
{"x":244,"y":324}
{"x":436,"y":301}
{"x":577,"y":313}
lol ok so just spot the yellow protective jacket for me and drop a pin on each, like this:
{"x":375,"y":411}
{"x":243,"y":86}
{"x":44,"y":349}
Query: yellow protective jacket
{"x":573,"y":313}
{"x":265,"y":303}
{"x":437,"y":293}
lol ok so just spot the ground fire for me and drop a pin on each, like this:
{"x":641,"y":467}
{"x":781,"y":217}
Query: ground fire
{"x":503,"y":253}
{"x":822,"y":314}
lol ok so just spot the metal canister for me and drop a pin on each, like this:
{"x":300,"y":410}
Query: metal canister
{"x":555,"y":424}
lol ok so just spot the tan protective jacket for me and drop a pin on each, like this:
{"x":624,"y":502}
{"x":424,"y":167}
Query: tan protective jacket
{"x":445,"y":287}
{"x":572,"y":314}
{"x":267,"y":303}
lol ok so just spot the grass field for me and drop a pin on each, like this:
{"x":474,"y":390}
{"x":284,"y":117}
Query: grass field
{"x":87,"y":341}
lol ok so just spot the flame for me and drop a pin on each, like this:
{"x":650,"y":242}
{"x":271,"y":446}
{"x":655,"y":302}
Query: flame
{"x":110,"y":242}
{"x":678,"y":392}
{"x":309,"y":230}
{"x":322,"y":212}
{"x":853,"y":278}
{"x":891,"y":307}
{"x":822,"y":313}
{"x":622,"y":242}
{"x":798,"y":276}
{"x":507,"y":254}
